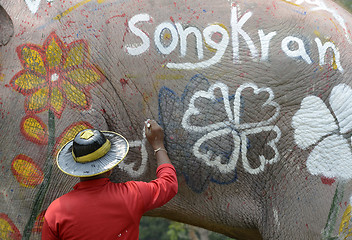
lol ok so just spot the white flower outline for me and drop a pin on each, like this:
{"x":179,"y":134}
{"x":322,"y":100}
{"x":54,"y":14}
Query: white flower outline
{"x":222,"y":128}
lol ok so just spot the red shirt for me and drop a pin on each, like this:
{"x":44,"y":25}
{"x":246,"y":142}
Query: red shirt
{"x":99,"y":209}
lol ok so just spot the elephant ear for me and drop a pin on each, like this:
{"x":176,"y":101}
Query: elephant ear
{"x":6,"y":27}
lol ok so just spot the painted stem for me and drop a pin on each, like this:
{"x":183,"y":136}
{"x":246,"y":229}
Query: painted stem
{"x":334,"y":210}
{"x":39,"y":198}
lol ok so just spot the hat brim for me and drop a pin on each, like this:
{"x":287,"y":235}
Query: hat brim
{"x":118,"y":151}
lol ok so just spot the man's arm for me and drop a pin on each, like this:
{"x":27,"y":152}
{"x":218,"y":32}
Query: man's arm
{"x":161,"y":190}
{"x":47,"y":233}
{"x":155,"y":136}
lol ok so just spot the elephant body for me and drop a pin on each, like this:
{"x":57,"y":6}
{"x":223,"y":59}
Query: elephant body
{"x":254,"y":98}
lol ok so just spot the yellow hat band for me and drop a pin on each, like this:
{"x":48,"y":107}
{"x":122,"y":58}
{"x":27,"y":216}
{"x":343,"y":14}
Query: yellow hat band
{"x":100,"y":152}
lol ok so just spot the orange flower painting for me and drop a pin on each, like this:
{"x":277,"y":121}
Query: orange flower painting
{"x":55,"y":75}
{"x":8,"y":229}
{"x":34,"y":129}
{"x":26,"y":171}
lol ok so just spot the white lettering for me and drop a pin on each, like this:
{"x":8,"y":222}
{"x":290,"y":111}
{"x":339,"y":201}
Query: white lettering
{"x":299,"y":52}
{"x":265,"y":43}
{"x":145,"y":40}
{"x":236,"y":25}
{"x":220,"y":47}
{"x":183,"y":39}
{"x":167,"y":36}
{"x":322,"y":52}
{"x":158,"y":36}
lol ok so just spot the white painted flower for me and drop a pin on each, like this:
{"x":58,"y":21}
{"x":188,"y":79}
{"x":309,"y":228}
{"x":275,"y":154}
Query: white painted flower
{"x":131,"y":168}
{"x":315,"y":124}
{"x":232,"y":126}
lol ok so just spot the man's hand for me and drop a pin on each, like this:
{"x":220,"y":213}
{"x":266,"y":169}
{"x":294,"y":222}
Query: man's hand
{"x":154,"y":134}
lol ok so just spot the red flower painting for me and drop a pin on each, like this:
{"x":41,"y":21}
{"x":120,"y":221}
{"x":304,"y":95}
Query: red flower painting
{"x":55,"y":75}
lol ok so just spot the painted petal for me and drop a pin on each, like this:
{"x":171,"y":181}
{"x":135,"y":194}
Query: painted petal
{"x":38,"y":101}
{"x":312,"y":121}
{"x":263,"y":154}
{"x":27,"y":173}
{"x":268,"y":109}
{"x":78,"y":52}
{"x":26,"y":82}
{"x":341,"y":104}
{"x":331,"y":158}
{"x":53,"y":53}
{"x":204,"y":149}
{"x":209,"y":101}
{"x":32,"y":58}
{"x":57,"y":102}
{"x":83,"y":77}
{"x":33,"y":5}
{"x":70,"y":132}
{"x":8,"y":228}
{"x":345,"y":227}
{"x":39,"y":222}
{"x":34,"y":129}
{"x":75,"y":95}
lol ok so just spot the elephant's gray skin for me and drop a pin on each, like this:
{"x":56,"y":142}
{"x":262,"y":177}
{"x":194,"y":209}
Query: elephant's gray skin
{"x":254,"y":96}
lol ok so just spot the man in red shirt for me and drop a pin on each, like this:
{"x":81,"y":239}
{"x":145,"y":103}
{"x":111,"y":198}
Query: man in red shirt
{"x":98,"y":209}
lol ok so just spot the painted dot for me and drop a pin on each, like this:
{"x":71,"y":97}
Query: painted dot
{"x":54,"y":77}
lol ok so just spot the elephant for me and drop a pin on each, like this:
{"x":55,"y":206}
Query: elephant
{"x":253,"y":96}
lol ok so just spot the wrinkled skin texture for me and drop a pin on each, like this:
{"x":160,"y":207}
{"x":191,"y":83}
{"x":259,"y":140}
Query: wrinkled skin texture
{"x":255,"y":104}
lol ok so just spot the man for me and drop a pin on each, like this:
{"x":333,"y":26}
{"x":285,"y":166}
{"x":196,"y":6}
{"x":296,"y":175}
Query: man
{"x":98,"y":209}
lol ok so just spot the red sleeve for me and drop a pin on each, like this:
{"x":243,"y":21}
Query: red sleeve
{"x":47,"y":233}
{"x":161,"y":190}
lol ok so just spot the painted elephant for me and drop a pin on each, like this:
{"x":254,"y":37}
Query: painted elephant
{"x":254,"y":98}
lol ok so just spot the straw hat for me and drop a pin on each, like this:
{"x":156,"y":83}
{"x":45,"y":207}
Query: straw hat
{"x":91,"y":153}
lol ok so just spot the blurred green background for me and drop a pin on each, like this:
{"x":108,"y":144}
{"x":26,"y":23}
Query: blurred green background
{"x":162,"y":229}
{"x":346,"y":4}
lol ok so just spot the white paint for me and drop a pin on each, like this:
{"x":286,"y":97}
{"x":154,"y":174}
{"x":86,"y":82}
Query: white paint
{"x":315,"y":126}
{"x":33,"y":5}
{"x":299,"y":52}
{"x":272,"y":144}
{"x":194,"y":111}
{"x":322,"y":52}
{"x":144,"y":37}
{"x":299,"y":2}
{"x":184,"y":33}
{"x":341,"y":103}
{"x":265,"y":43}
{"x":276,"y":218}
{"x":331,"y":158}
{"x":54,"y":77}
{"x":158,"y":36}
{"x":237,"y":32}
{"x":269,"y":102}
{"x":208,"y":156}
{"x":312,"y":121}
{"x":220,"y":49}
{"x":236,"y":25}
{"x":231,"y":126}
{"x":129,"y":168}
{"x":321,"y":6}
